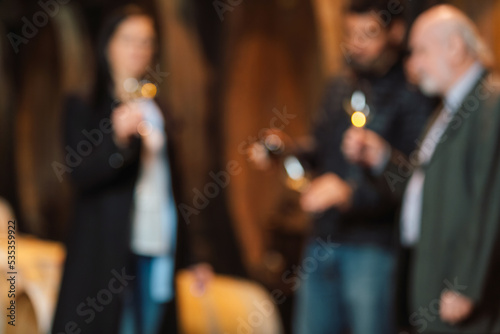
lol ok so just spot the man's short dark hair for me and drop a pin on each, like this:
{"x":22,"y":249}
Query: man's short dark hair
{"x":395,"y":8}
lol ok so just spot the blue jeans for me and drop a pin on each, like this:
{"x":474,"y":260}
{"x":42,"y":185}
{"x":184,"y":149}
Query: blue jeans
{"x":351,"y":290}
{"x":141,"y":314}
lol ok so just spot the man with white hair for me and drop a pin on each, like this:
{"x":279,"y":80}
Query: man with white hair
{"x":450,"y":186}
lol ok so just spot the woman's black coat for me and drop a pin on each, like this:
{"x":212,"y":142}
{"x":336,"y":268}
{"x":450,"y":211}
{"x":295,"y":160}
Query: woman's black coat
{"x":99,"y":261}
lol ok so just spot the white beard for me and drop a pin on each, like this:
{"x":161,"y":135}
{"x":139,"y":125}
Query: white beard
{"x":428,"y":86}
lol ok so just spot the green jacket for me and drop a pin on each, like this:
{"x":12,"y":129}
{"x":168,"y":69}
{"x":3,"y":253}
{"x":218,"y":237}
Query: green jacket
{"x":459,"y":245}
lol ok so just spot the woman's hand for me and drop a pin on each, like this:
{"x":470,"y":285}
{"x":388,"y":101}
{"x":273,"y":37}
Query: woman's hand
{"x":125,"y":119}
{"x":203,"y":274}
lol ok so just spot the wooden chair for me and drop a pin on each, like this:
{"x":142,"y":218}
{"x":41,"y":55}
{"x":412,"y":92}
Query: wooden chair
{"x":229,"y":305}
{"x":39,"y":269}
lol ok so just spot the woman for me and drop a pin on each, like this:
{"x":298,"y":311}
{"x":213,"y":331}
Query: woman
{"x":119,"y":271}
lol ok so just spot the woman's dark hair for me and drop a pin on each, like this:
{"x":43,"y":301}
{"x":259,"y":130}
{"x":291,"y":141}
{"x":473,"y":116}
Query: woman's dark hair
{"x":104,"y":82}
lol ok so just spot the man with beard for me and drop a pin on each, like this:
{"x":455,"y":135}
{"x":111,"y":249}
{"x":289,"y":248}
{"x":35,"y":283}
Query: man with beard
{"x":353,"y":287}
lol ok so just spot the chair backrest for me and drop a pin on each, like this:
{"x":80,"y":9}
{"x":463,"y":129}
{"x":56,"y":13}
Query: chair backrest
{"x":39,"y":265}
{"x":229,"y":305}
{"x":25,"y":317}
